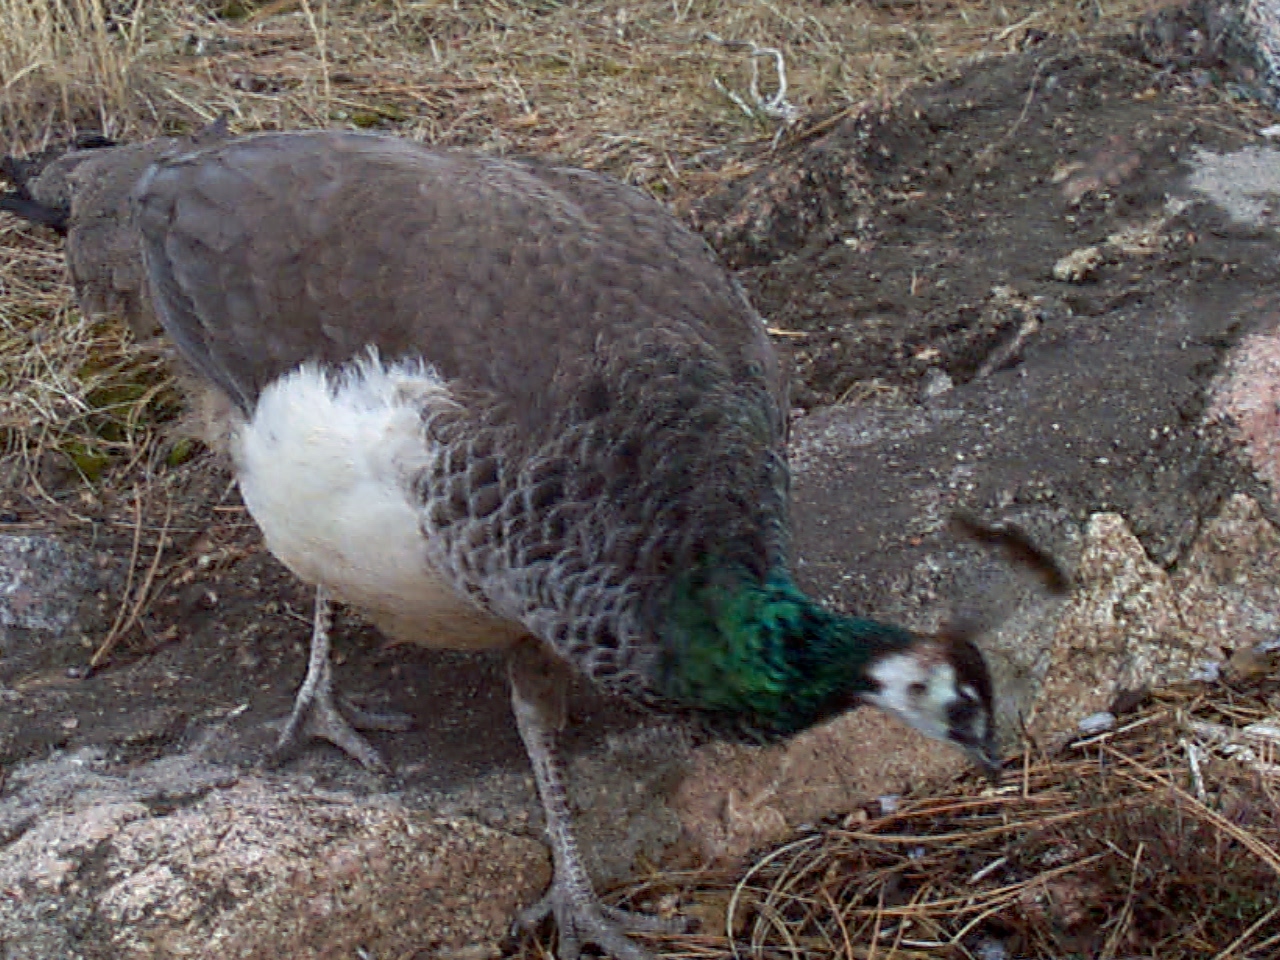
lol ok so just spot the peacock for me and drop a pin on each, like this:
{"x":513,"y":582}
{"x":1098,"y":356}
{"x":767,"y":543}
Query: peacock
{"x":498,"y":404}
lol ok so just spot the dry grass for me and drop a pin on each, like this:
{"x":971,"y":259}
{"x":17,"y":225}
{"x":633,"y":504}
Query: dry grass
{"x":61,"y":60}
{"x":68,"y":384}
{"x":624,"y":86}
{"x":1160,"y":840}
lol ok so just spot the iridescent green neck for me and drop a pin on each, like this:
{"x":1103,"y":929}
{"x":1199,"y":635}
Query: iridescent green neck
{"x":764,"y":652}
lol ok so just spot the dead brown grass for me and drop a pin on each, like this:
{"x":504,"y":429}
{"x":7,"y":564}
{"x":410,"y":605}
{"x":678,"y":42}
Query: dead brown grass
{"x":63,"y":60}
{"x":68,"y":384}
{"x":624,"y":86}
{"x":1160,"y":839}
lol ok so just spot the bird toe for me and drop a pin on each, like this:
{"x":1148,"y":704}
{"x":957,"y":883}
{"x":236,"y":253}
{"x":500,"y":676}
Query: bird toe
{"x":319,"y":719}
{"x":582,"y":920}
{"x":389,"y":722}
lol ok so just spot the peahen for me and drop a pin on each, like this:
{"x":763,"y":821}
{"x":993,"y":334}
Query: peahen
{"x":500,"y":404}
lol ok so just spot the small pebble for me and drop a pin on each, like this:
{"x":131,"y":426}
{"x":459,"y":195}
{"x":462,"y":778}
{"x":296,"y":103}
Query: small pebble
{"x":1078,"y":266}
{"x":935,"y":383}
{"x":1207,"y":672}
{"x":1097,"y":723}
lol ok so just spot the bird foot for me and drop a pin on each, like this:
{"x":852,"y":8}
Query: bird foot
{"x":584,"y":919}
{"x":316,"y":716}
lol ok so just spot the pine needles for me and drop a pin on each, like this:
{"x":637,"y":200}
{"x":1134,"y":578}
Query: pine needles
{"x":1117,"y":847}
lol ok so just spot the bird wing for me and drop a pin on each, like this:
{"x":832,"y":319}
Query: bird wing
{"x":271,"y":250}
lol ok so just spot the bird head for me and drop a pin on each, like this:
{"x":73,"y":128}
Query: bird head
{"x":941,"y":686}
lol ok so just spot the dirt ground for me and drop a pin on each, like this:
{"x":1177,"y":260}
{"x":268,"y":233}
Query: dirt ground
{"x":914,"y":247}
{"x":878,"y":247}
{"x":875,"y":244}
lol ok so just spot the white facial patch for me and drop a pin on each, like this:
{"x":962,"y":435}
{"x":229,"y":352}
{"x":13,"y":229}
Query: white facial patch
{"x":919,"y":693}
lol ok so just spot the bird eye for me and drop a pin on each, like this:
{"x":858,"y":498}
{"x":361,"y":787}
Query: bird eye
{"x":917,"y":689}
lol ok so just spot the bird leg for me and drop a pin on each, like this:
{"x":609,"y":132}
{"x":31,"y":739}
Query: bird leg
{"x":316,"y":715}
{"x":538,"y":685}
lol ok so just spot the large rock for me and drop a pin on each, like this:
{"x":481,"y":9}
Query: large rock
{"x":177,"y":858}
{"x":1240,"y":38}
{"x":54,"y":595}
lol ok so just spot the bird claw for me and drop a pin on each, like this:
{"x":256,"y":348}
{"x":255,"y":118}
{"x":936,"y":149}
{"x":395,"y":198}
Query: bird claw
{"x":584,"y":919}
{"x":316,"y":717}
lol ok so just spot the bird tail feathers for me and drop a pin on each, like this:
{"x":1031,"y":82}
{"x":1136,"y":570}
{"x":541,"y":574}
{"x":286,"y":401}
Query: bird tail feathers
{"x":22,"y":204}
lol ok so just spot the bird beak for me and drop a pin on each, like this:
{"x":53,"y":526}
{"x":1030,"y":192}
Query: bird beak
{"x":987,"y":757}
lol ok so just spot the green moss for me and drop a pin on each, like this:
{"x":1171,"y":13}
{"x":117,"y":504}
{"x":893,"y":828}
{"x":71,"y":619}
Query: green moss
{"x":377,"y":116}
{"x":125,"y":400}
{"x":183,"y":449}
{"x":89,"y":460}
{"x":236,"y":10}
{"x":610,"y":68}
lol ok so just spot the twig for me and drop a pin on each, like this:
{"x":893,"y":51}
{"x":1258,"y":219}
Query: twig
{"x":1243,"y":745}
{"x":1252,"y":843}
{"x":756,"y":868}
{"x":122,"y":611}
{"x":1010,"y":30}
{"x":972,"y":901}
{"x":844,"y":929}
{"x":322,"y":46}
{"x":1126,"y":912}
{"x":271,"y":9}
{"x":1009,"y":349}
{"x":991,"y":148}
{"x":990,"y":868}
{"x":776,"y":106}
{"x":1193,"y":761}
{"x":120,"y":629}
{"x":1253,"y":928}
{"x":199,"y":111}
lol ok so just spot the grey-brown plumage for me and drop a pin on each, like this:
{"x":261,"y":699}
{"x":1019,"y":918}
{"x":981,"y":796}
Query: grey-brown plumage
{"x":507,"y":404}
{"x":90,"y":187}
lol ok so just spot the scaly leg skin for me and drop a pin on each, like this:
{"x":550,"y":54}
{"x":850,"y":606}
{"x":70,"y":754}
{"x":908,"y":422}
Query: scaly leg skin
{"x":538,"y":684}
{"x":316,"y":715}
